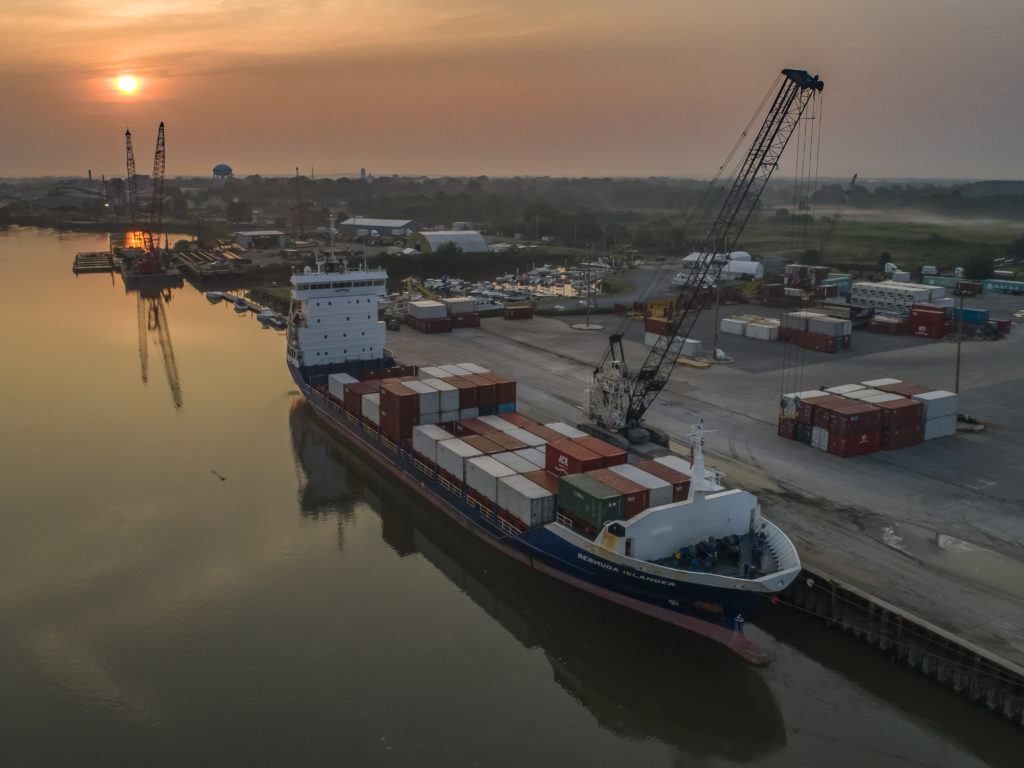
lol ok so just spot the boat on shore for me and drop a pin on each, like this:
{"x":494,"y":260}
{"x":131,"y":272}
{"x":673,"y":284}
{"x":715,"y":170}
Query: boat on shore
{"x":562,"y":502}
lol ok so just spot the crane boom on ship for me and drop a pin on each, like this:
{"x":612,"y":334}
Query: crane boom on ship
{"x":617,"y":400}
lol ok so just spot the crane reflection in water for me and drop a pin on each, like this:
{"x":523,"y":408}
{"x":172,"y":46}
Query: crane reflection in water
{"x":152,"y":315}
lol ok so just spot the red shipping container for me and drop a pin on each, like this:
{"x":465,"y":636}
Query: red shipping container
{"x":1003,"y":326}
{"x":486,"y":391}
{"x":506,"y":386}
{"x":544,"y":479}
{"x":398,"y":426}
{"x":398,"y":397}
{"x":482,"y":443}
{"x":473,"y":427}
{"x":854,"y":443}
{"x":612,"y":455}
{"x":854,"y":417}
{"x":517,"y":420}
{"x":805,"y":411}
{"x":787,"y":428}
{"x":817,"y":342}
{"x":545,"y":433}
{"x":466,"y":320}
{"x":468,"y":397}
{"x":518,"y":313}
{"x":901,"y":413}
{"x":906,"y":389}
{"x":635,"y":498}
{"x":680,"y":482}
{"x":567,"y":458}
{"x":902,"y":437}
{"x":354,"y":395}
{"x":655,"y":325}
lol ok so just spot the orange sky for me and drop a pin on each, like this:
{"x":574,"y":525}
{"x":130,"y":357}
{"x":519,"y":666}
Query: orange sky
{"x":913,"y":88}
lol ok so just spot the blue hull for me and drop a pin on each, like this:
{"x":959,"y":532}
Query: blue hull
{"x":715,"y":612}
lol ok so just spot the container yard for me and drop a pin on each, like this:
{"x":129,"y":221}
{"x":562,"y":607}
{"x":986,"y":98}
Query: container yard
{"x":859,"y":519}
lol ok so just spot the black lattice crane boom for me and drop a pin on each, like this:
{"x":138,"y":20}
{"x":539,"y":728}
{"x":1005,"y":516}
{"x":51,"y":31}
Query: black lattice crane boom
{"x":618,"y":401}
{"x":133,"y":189}
{"x":156,"y":207}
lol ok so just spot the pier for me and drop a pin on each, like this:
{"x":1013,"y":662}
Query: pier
{"x":93,"y":261}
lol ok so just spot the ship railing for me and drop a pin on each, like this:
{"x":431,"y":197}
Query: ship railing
{"x":485,"y":512}
{"x":563,"y":521}
{"x":449,"y":486}
{"x":386,"y":442}
{"x":351,"y":418}
{"x":507,"y":528}
{"x":423,"y":467}
{"x":781,"y":547}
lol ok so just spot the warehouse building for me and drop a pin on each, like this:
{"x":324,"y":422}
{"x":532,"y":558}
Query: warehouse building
{"x":428,"y":242}
{"x":359,"y":226}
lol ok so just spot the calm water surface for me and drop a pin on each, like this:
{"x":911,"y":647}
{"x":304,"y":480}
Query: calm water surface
{"x":223,"y":582}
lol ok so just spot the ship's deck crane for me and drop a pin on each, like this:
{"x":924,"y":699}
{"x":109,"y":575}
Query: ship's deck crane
{"x":617,"y":400}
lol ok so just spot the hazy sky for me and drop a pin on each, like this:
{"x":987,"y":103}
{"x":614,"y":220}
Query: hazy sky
{"x":913,"y":88}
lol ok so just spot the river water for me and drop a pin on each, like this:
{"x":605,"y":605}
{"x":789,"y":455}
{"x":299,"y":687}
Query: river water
{"x":194,"y":571}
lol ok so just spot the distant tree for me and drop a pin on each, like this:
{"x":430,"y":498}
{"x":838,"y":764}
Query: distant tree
{"x":1015,"y":250}
{"x":448,"y":249}
{"x":812,"y":256}
{"x":182,"y":246}
{"x":884,"y":258}
{"x":979,"y":267}
{"x":238,"y":212}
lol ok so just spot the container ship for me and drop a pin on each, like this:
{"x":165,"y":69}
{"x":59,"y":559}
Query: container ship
{"x":658,"y":536}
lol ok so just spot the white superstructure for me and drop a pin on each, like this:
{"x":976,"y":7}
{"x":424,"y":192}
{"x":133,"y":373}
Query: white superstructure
{"x":333,"y":316}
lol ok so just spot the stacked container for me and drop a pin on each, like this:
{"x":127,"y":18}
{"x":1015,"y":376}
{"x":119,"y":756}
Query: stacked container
{"x":482,"y":475}
{"x":939,"y":413}
{"x":635,"y":497}
{"x":566,"y":457}
{"x":588,"y":500}
{"x":929,"y":322}
{"x":399,"y":411}
{"x":451,"y":459}
{"x":518,"y":313}
{"x":425,"y":440}
{"x":610,"y":455}
{"x":526,"y":501}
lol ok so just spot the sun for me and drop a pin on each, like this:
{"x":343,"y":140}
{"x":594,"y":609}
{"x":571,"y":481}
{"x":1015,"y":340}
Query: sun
{"x":126,"y":83}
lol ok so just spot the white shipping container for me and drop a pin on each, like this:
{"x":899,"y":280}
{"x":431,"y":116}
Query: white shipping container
{"x":425,"y":440}
{"x":427,"y":310}
{"x":498,"y":423}
{"x":762,"y":331}
{"x":523,"y":436}
{"x":661,"y":490}
{"x":874,"y":383}
{"x":473,"y":367}
{"x":459,"y":305}
{"x":515,"y":462}
{"x":469,"y":413}
{"x":452,"y":455}
{"x":943,"y":426}
{"x":819,"y":438}
{"x":692,"y":348}
{"x":525,"y":500}
{"x":448,"y":394}
{"x":455,"y":370}
{"x":482,"y":474}
{"x":844,"y":389}
{"x":433,"y":372}
{"x":430,"y":418}
{"x":430,"y":398}
{"x":370,"y":407}
{"x":937,"y":404}
{"x":864,"y":394}
{"x":533,"y":455}
{"x":448,"y":416}
{"x":336,"y":383}
{"x":885,"y":397}
{"x":733,"y":325}
{"x":564,"y":429}
{"x":901,"y":277}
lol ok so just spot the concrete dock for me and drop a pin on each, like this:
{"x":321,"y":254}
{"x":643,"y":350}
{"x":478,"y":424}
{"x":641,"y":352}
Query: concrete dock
{"x":935,"y":531}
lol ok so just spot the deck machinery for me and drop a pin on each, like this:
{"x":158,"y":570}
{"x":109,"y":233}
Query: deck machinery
{"x":616,"y":399}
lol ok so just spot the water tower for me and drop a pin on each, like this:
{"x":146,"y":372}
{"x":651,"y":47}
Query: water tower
{"x":222,"y":171}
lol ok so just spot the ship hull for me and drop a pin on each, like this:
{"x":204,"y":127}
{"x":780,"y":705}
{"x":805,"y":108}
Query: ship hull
{"x":691,"y":601}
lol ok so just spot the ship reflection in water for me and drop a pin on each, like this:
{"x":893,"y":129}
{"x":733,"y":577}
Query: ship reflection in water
{"x":638,"y":677}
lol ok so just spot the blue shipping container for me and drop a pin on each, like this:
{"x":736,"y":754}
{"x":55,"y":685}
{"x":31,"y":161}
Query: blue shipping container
{"x":1005,"y":286}
{"x":506,"y":407}
{"x":972,"y":315}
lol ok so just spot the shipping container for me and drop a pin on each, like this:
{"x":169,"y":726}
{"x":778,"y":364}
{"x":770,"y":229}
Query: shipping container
{"x":895,"y":438}
{"x":506,"y":387}
{"x":518,"y":420}
{"x":448,"y":394}
{"x":610,"y":454}
{"x":425,"y":440}
{"x":469,"y":413}
{"x":905,"y":388}
{"x":473,"y":426}
{"x":809,"y":406}
{"x":336,"y":384}
{"x":527,"y":501}
{"x":544,"y":479}
{"x":468,"y":397}
{"x":854,"y":443}
{"x":499,"y":424}
{"x":635,"y":497}
{"x":427,"y":310}
{"x":433,"y":372}
{"x":659,"y":491}
{"x":937,"y":404}
{"x":865,"y":394}
{"x":483,"y":473}
{"x":589,"y":500}
{"x":452,"y":455}
{"x":853,"y":417}
{"x":803,"y":432}
{"x":459,"y":305}
{"x":486,"y":391}
{"x":568,"y":458}
{"x":876,"y":383}
{"x":473,"y":367}
{"x":354,"y":395}
{"x":683,"y":465}
{"x":565,"y":430}
{"x":787,"y":427}
{"x":547,"y":435}
{"x":845,"y":389}
{"x":679,"y":481}
{"x":533,"y":455}
{"x":941,"y":426}
{"x":506,"y":441}
{"x":370,"y":407}
{"x":481,"y":442}
{"x":465,"y":320}
{"x":455,"y":370}
{"x":819,"y":438}
{"x":518,"y":313}
{"x":527,"y":437}
{"x":515,"y":462}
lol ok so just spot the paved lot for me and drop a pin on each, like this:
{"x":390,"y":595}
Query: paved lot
{"x":936,"y":529}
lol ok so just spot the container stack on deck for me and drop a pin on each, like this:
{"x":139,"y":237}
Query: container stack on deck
{"x":460,"y":425}
{"x":462,"y":311}
{"x":428,"y":317}
{"x":856,"y":419}
{"x":816,"y":331}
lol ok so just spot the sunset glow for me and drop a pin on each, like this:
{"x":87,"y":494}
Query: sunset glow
{"x":127,"y":84}
{"x":575,"y":88}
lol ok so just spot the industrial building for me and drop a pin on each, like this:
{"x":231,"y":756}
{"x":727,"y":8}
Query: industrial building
{"x":261,"y":239}
{"x":428,"y":242}
{"x":358,"y":226}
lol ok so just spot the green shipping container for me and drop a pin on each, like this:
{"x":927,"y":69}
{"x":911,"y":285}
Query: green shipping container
{"x":945,"y":282}
{"x":588,"y":499}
